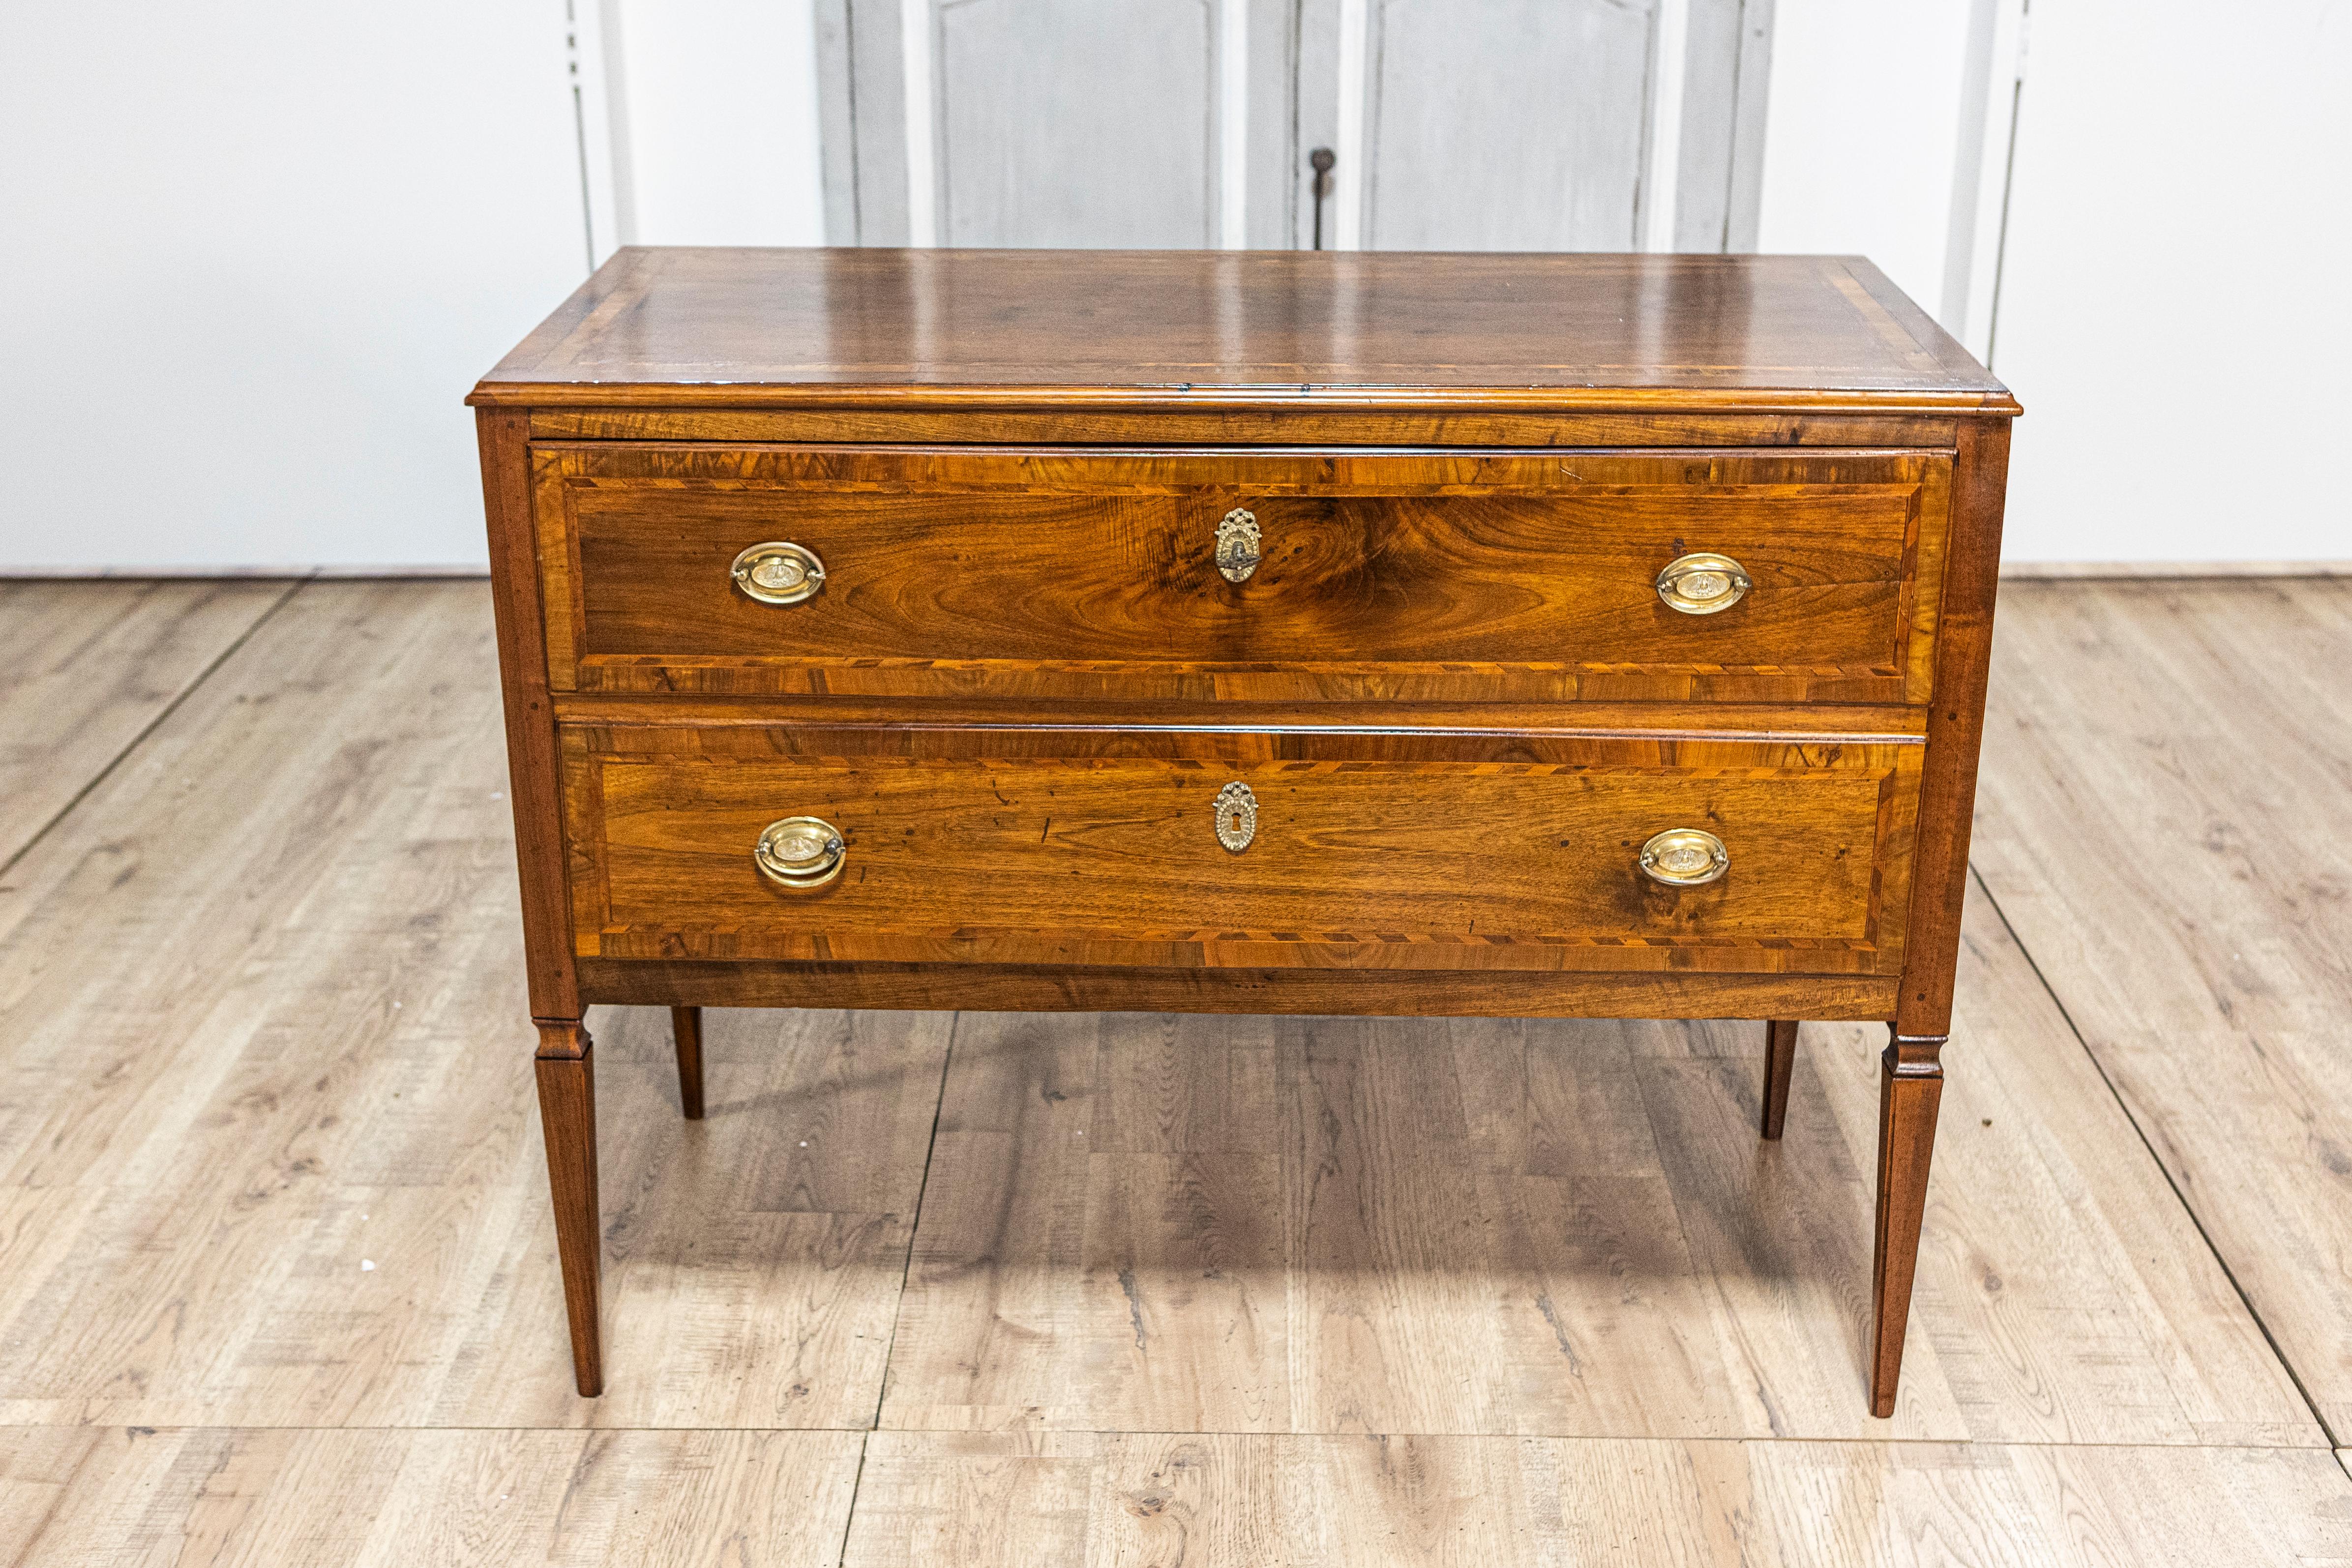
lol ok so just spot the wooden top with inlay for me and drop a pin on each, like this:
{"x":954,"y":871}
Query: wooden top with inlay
{"x":748,"y":328}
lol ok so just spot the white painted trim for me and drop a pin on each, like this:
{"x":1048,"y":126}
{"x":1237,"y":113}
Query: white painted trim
{"x":2166,"y":571}
{"x":592,"y":90}
{"x":1233,"y":123}
{"x":922,"y":166}
{"x":1347,"y":184}
{"x":1669,"y":58}
{"x":1969,"y":166}
{"x":1996,"y":129}
{"x":611,"y":171}
{"x":436,"y":570}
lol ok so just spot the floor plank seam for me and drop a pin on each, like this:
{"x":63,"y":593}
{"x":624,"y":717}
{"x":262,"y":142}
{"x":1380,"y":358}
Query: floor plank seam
{"x":140,"y":740}
{"x":1617,"y":1437}
{"x":915,"y":1222}
{"x":946,"y":1433}
{"x":849,"y":1514}
{"x":2222,"y":1262}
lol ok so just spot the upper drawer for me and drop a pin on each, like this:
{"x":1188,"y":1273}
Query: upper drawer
{"x":1494,"y":576}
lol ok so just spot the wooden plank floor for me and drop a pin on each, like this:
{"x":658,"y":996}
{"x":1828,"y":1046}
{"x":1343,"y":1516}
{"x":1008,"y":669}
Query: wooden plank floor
{"x":2176,"y":852}
{"x":277,"y":1283}
{"x":85,"y":667}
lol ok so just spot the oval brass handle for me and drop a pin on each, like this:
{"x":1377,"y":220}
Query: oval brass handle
{"x":1238,"y":543}
{"x":1702,"y":584}
{"x":800,"y":852}
{"x":779,"y":573}
{"x":1684,"y":857}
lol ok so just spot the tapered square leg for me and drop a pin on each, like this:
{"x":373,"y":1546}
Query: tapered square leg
{"x":567,"y":1113}
{"x":1779,"y":1066}
{"x":1910,"y":1087}
{"x":686,"y":1029}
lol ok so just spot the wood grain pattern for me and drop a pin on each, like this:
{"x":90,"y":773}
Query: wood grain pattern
{"x":685,"y":1035}
{"x":2174,"y":853}
{"x":1245,"y":731}
{"x":318,"y":833}
{"x":1306,"y":426}
{"x":89,"y":1496}
{"x":1467,"y":864}
{"x":306,"y":873}
{"x":1489,"y":576}
{"x":1271,"y":992}
{"x":85,"y":667}
{"x":1155,"y":1223}
{"x":1226,"y":1501}
{"x":1067,"y":573}
{"x":566,"y":1071}
{"x":1955,"y":731}
{"x":521,"y":620}
{"x":748,"y":328}
{"x":1780,"y":1068}
{"x":1910,"y":1089}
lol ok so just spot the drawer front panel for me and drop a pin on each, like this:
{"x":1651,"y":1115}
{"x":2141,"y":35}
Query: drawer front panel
{"x":990,"y":846}
{"x":1478,"y":576}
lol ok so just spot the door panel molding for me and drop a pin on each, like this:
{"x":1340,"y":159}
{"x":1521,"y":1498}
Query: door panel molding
{"x":1291,"y":61}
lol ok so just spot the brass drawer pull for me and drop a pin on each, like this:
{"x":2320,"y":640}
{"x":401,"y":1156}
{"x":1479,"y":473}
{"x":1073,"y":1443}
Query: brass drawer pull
{"x":1702,"y":584}
{"x":1236,"y":816}
{"x":800,"y":852}
{"x":1237,"y":545}
{"x":1684,"y":857}
{"x":779,"y":573}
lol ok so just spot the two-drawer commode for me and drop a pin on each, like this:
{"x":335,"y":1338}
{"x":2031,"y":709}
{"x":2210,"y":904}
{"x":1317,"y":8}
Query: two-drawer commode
{"x":1570,"y":635}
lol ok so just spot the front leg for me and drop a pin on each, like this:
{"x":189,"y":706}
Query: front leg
{"x":1910,"y":1085}
{"x":567,"y":1114}
{"x":1779,"y":1067}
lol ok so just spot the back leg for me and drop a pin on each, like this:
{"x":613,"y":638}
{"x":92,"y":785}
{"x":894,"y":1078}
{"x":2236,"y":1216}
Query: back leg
{"x":1779,"y":1066}
{"x":685,"y":1024}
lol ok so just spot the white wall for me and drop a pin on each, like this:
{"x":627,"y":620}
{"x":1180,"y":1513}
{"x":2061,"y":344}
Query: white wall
{"x":1861,"y":132}
{"x":716,"y":120}
{"x":255,"y":256}
{"x":2174,"y":311}
{"x":1886,"y":135}
{"x":2171,"y":309}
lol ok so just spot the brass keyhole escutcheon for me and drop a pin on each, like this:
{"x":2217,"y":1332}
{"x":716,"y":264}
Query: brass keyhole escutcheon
{"x":1238,"y":545}
{"x":1236,"y":816}
{"x":1703,"y":584}
{"x":779,"y":573}
{"x":1684,"y":857}
{"x":800,"y":852}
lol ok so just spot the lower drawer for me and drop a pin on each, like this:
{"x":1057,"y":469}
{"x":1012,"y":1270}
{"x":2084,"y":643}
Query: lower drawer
{"x":1173,"y":849}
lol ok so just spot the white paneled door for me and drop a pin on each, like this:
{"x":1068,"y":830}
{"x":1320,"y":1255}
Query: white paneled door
{"x":1448,"y":124}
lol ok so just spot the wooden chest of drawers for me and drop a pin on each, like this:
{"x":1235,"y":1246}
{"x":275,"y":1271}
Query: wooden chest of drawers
{"x":1245,"y":632}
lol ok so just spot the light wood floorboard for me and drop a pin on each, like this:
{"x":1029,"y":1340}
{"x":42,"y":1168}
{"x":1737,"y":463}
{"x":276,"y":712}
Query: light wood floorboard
{"x":268,"y":1151}
{"x":2166,"y":819}
{"x":1145,"y":1223}
{"x":85,"y":666}
{"x":103,"y":1497}
{"x":985,"y":1499}
{"x":1189,"y":1291}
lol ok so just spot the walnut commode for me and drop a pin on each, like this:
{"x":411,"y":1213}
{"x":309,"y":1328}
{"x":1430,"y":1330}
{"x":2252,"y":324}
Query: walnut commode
{"x":1306,"y":633}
